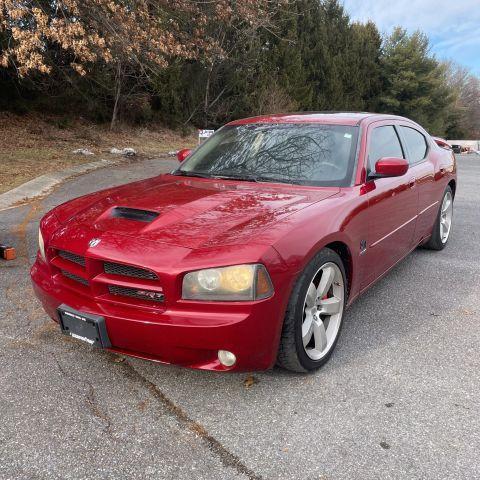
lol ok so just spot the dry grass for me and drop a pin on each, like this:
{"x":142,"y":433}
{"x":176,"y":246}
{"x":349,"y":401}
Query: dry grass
{"x":31,"y":146}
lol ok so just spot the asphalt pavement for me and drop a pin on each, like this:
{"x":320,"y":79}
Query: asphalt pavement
{"x":399,"y":398}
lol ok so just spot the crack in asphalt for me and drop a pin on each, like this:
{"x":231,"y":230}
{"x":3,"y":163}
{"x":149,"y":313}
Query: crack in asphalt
{"x":227,"y":458}
{"x":90,"y":397}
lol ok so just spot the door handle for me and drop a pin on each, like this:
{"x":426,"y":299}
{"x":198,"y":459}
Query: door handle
{"x":412,"y":182}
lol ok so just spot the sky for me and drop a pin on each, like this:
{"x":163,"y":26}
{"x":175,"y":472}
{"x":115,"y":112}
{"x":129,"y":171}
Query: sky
{"x":453,"y":26}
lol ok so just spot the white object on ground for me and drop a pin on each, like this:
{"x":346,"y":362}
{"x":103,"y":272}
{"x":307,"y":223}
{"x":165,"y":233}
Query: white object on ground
{"x":126,"y":152}
{"x":82,"y":151}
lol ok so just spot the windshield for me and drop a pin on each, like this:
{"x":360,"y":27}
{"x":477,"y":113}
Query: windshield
{"x":307,"y":154}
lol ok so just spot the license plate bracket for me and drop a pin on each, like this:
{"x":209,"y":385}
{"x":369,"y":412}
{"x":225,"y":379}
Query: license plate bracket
{"x":86,"y":327}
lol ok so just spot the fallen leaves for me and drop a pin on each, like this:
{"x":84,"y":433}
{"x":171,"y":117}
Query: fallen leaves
{"x":250,"y":381}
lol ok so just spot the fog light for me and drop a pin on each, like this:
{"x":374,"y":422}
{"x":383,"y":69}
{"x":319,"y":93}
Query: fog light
{"x":227,"y":358}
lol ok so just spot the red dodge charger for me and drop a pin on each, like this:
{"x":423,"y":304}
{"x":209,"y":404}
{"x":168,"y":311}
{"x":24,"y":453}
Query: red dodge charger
{"x":249,"y":252}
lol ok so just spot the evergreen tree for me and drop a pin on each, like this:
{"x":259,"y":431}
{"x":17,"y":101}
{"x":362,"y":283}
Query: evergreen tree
{"x":363,"y":69}
{"x":414,"y":82}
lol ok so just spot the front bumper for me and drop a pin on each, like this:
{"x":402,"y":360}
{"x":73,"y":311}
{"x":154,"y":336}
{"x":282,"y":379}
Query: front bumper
{"x":187,"y":333}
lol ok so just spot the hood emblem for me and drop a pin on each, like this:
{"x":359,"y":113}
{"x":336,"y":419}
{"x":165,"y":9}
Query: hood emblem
{"x":94,"y":242}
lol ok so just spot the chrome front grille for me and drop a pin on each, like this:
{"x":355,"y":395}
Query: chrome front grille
{"x":128,"y":271}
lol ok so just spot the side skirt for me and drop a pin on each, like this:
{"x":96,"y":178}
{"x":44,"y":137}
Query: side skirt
{"x":373,"y":282}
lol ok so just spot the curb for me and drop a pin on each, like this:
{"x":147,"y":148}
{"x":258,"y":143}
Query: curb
{"x":43,"y":184}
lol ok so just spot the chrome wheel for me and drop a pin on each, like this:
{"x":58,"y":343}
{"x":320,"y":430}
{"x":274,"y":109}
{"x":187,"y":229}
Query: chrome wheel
{"x":323,"y":310}
{"x":446,"y":214}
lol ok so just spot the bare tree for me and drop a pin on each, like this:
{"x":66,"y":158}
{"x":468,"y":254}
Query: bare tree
{"x":467,"y":101}
{"x":132,"y":37}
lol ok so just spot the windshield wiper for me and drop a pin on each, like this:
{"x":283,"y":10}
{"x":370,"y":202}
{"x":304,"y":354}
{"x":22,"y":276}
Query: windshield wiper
{"x":183,"y":173}
{"x":259,"y":178}
{"x":241,"y":178}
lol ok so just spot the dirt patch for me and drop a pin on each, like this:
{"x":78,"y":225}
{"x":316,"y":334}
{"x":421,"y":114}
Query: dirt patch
{"x":32,"y":145}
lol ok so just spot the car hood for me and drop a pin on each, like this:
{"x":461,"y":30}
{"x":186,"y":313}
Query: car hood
{"x":191,"y":213}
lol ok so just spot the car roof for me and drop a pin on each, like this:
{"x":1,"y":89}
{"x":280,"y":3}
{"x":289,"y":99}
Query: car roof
{"x":329,"y":118}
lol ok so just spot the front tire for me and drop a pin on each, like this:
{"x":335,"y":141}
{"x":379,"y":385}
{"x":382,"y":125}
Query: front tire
{"x":443,"y":224}
{"x":314,"y":314}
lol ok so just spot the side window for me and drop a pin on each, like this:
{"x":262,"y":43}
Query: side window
{"x":384,"y":142}
{"x":416,"y":144}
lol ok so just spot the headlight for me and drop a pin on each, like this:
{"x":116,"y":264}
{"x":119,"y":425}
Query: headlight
{"x":41,"y":245}
{"x":235,"y":283}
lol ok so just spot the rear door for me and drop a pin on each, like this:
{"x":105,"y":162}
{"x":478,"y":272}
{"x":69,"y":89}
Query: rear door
{"x":422,"y":169}
{"x":393,"y":203}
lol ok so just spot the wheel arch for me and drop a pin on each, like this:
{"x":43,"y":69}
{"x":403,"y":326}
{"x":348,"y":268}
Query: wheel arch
{"x":337,"y":241}
{"x":343,"y":251}
{"x":453,"y":185}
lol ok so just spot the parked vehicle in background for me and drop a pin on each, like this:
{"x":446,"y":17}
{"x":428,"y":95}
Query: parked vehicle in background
{"x":247,"y":254}
{"x":457,"y":148}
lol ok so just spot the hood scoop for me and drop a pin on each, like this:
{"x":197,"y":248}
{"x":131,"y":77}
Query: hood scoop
{"x":135,"y":214}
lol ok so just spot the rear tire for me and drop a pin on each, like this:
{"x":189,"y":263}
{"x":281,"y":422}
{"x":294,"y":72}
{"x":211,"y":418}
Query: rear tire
{"x":443,"y":223}
{"x":314,"y":315}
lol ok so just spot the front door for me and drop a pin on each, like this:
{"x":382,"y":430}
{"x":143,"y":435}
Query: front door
{"x":393,"y":204}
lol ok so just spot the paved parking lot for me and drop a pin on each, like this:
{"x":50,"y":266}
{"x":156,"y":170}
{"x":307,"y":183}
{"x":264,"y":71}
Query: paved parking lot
{"x":399,"y":398}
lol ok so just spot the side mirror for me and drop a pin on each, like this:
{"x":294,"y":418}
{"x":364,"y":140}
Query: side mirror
{"x":390,"y":167}
{"x":183,"y":154}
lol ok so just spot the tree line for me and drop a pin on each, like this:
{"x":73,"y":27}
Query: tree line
{"x":184,"y":63}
